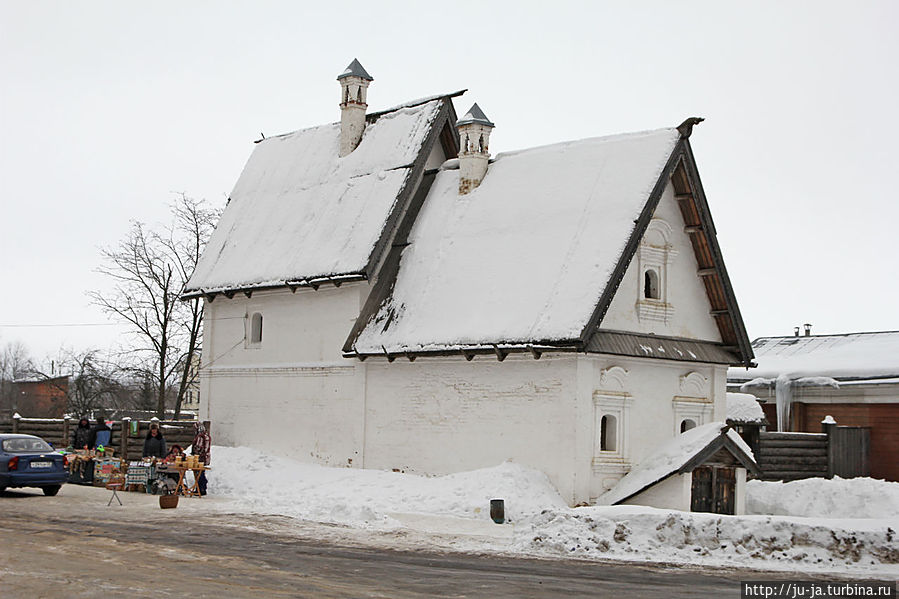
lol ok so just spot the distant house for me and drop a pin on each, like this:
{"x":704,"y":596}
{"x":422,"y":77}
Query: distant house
{"x":41,"y":398}
{"x":381,"y":293}
{"x":191,"y":400}
{"x":853,"y":377}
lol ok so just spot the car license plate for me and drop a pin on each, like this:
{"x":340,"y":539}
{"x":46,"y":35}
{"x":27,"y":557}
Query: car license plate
{"x":41,"y":464}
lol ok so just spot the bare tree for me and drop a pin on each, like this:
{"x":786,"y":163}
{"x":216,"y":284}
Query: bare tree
{"x":15,"y":363}
{"x":149,"y":270}
{"x":89,"y":381}
{"x":194,"y":222}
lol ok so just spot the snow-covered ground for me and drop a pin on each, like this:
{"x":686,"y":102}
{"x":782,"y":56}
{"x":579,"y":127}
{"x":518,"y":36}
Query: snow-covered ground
{"x":541,"y":524}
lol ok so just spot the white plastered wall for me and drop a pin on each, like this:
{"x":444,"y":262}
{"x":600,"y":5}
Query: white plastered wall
{"x":293,"y":394}
{"x":651,"y":392}
{"x":673,"y":493}
{"x":683,"y":310}
{"x":442,"y":415}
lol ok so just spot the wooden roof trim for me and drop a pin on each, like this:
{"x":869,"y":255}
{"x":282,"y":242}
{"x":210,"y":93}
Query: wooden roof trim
{"x":703,"y":236}
{"x":500,"y":351}
{"x":722,"y":441}
{"x":248,"y":290}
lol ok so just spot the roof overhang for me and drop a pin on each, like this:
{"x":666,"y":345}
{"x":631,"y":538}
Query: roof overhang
{"x":311,"y":283}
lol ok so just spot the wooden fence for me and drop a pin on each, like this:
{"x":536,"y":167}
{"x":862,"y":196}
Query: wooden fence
{"x":792,"y":456}
{"x":130,"y":445}
{"x":839,"y":451}
{"x":849,"y":451}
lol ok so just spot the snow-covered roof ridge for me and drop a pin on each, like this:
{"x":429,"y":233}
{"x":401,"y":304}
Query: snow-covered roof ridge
{"x":559,"y":145}
{"x":744,"y":408}
{"x":863,"y":355}
{"x":672,"y":456}
{"x":565,"y":210}
{"x":299,"y":212}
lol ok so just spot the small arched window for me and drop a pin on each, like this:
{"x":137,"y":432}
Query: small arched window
{"x":686,"y":424}
{"x":651,"y":284}
{"x":256,"y":328}
{"x":608,"y":433}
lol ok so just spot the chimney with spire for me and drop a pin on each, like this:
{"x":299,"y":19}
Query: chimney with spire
{"x":474,"y":154}
{"x":354,"y":82}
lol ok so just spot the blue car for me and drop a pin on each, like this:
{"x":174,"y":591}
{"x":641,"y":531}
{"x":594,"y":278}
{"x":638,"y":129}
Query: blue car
{"x":29,"y":461}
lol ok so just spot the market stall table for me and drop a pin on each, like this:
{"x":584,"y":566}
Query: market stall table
{"x":183,"y":488}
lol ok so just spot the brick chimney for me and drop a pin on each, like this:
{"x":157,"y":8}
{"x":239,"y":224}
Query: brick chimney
{"x":474,"y":153}
{"x":354,"y":82}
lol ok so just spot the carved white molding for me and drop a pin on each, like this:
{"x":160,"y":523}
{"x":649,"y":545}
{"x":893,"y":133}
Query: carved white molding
{"x":655,"y":253}
{"x":649,"y":309}
{"x":658,"y":233}
{"x":694,"y":384}
{"x":613,"y":378}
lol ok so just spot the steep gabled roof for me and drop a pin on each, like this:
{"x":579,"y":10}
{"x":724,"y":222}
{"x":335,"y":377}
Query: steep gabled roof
{"x":300,"y":215}
{"x":530,"y":260}
{"x":680,"y":455}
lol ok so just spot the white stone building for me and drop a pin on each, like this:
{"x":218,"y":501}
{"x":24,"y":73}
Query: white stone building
{"x":383,"y":294}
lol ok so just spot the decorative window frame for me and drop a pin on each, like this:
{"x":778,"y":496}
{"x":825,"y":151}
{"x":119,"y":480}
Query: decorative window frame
{"x":250,"y":317}
{"x":694,"y":402}
{"x":617,"y":404}
{"x":697,"y":409}
{"x":655,"y":253}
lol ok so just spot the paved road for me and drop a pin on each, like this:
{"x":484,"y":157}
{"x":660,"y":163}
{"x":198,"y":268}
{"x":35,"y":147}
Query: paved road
{"x":77,"y":547}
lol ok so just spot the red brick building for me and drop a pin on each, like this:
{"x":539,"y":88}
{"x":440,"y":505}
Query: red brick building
{"x":852,"y":377}
{"x":44,"y":398}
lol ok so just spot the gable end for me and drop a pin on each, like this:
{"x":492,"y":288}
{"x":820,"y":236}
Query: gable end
{"x":441,"y":132}
{"x":682,"y":172}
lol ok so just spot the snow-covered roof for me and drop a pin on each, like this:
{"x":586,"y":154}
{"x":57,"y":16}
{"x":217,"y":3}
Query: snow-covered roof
{"x":671,"y":457}
{"x":744,"y":408}
{"x":853,"y":355}
{"x":525,"y":256}
{"x":299,"y":211}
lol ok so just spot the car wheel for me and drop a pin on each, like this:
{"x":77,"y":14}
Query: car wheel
{"x":51,"y":491}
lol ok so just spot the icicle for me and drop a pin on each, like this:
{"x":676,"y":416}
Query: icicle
{"x":783,"y":398}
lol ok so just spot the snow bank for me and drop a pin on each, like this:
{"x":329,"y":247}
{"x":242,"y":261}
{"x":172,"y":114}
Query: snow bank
{"x":744,"y":408}
{"x":532,"y":247}
{"x":854,"y":547}
{"x":823,"y":498}
{"x":364,"y":498}
{"x":255,"y":483}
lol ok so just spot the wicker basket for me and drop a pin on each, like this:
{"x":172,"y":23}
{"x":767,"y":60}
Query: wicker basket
{"x":168,"y":501}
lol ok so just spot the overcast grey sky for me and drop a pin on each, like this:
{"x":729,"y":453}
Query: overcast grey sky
{"x":107,"y":108}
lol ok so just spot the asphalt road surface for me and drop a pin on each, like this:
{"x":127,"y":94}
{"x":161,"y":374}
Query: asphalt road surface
{"x":73,"y":545}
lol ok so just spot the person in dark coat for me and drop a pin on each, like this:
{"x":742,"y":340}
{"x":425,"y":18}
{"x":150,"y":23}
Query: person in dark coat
{"x":201,"y":447}
{"x":100,"y":429}
{"x":154,"y":444}
{"x":82,"y":435}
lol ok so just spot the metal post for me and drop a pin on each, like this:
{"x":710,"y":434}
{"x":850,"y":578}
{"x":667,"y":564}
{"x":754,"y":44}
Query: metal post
{"x":829,"y":427}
